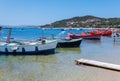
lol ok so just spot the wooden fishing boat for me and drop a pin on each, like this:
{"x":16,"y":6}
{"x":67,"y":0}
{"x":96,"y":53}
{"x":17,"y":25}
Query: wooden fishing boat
{"x":69,"y":42}
{"x":42,"y":46}
{"x":34,"y":47}
{"x":91,"y":36}
{"x":106,"y":33}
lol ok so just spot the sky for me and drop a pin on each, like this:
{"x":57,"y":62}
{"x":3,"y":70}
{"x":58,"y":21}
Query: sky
{"x":40,"y":12}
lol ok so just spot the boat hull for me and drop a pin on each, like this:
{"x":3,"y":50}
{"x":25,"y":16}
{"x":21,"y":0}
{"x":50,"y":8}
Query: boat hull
{"x":49,"y":51}
{"x":69,"y":43}
{"x":92,"y":37}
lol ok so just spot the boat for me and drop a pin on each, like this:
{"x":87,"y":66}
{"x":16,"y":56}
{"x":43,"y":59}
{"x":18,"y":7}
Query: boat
{"x":42,"y":46}
{"x":29,"y":47}
{"x":106,"y":32}
{"x":84,"y":35}
{"x":69,"y":42}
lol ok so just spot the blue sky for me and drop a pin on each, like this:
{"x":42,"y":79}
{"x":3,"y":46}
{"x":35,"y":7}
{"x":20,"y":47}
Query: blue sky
{"x":40,"y":12}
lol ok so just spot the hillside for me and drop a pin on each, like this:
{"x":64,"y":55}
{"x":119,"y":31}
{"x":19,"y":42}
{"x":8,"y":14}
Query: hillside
{"x":86,"y":21}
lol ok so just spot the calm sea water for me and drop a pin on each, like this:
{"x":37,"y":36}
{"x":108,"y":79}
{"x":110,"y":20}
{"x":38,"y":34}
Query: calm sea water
{"x":61,"y":65}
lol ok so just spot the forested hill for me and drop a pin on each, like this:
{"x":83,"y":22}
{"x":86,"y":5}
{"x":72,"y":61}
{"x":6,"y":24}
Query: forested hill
{"x":86,"y":22}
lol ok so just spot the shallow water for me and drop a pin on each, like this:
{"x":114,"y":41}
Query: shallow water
{"x":61,"y":65}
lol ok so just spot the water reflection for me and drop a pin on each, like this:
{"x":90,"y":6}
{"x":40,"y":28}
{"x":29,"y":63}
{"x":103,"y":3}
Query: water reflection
{"x":98,"y":42}
{"x":69,"y":50}
{"x":12,"y":62}
{"x":116,"y":43}
{"x":33,"y":58}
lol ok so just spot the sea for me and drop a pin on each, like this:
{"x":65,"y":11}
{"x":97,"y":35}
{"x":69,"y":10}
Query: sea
{"x":60,"y":66}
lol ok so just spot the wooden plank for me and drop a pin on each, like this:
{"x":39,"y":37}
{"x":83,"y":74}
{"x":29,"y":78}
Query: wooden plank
{"x":98,"y":64}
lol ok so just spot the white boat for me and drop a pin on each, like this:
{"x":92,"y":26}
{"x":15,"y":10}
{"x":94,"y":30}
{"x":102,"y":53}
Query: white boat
{"x":34,"y":47}
{"x":42,"y":46}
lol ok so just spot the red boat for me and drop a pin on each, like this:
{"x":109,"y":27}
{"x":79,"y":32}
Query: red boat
{"x":106,"y":33}
{"x":92,"y":35}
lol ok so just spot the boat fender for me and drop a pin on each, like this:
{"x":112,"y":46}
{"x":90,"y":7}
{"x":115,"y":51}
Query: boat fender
{"x":23,"y":50}
{"x":6,"y":50}
{"x":36,"y":49}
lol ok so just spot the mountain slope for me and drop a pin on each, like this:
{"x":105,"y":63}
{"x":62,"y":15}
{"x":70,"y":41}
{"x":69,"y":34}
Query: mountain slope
{"x":86,"y":21}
